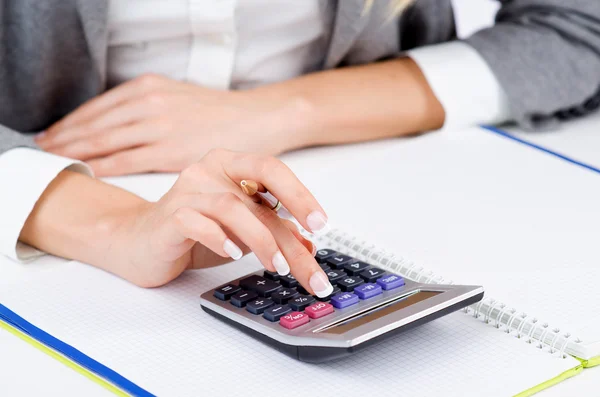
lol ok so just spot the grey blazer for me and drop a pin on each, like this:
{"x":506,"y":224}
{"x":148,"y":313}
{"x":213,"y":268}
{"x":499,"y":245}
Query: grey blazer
{"x":545,"y":53}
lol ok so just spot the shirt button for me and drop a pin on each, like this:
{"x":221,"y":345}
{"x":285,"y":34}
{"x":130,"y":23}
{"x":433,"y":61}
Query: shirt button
{"x":227,"y":39}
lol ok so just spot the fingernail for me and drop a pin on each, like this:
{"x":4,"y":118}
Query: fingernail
{"x":317,"y":222}
{"x":40,"y":135}
{"x":314,"y":250}
{"x":320,"y":284}
{"x":232,"y":250}
{"x":280,"y":264}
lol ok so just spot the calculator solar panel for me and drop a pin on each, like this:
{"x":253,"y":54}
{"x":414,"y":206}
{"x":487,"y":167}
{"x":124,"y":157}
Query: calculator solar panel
{"x":367,"y":305}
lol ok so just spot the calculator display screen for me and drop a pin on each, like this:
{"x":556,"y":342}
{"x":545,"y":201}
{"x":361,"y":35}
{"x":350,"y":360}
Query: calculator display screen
{"x":379,"y":312}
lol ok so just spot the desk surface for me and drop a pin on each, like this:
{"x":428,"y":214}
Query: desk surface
{"x":26,"y":371}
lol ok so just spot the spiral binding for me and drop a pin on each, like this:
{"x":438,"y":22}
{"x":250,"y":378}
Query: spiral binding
{"x":491,"y":311}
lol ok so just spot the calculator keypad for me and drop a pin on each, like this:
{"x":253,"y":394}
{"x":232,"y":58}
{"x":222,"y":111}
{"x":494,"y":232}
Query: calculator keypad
{"x":282,"y":299}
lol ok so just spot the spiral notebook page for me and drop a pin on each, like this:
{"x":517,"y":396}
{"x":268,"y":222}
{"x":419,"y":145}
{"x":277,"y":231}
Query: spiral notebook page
{"x":479,"y":209}
{"x":161,"y":340}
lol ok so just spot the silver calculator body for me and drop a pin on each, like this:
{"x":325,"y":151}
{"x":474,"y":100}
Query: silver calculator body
{"x":348,"y":329}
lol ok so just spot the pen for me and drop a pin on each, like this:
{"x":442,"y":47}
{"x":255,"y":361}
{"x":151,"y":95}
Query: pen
{"x":252,"y":188}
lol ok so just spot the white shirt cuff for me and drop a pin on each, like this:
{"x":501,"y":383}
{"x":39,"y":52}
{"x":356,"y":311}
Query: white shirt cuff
{"x":463,"y":83}
{"x":24,"y":175}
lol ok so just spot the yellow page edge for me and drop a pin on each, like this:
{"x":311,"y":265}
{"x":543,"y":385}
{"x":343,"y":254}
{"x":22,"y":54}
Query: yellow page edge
{"x":64,"y":360}
{"x":592,"y":362}
{"x":549,"y":383}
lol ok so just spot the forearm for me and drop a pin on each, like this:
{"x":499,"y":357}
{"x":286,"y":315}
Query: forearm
{"x":77,"y":217}
{"x":360,"y":103}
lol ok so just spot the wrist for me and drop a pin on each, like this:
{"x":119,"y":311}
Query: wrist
{"x":289,"y":118}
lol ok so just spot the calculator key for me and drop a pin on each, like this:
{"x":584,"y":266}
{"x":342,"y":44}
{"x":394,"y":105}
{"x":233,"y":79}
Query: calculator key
{"x":367,"y":291}
{"x":242,"y":298}
{"x":371,"y":275}
{"x":260,"y":285}
{"x":349,"y":283}
{"x":322,"y":255}
{"x":300,"y":303}
{"x":226,"y":292}
{"x":325,"y":267}
{"x":258,"y":306}
{"x":271,"y":275}
{"x":284,"y":295}
{"x":335,"y":276}
{"x":288,"y":281}
{"x":390,"y":282}
{"x":274,"y":313}
{"x":319,"y":310}
{"x":344,"y":299}
{"x":336,"y":290}
{"x":294,"y":320}
{"x":354,"y":268}
{"x":338,"y":261}
{"x":302,"y":290}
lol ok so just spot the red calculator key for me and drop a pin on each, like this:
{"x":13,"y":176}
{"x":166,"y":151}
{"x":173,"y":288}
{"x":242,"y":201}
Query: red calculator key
{"x":293,"y":320}
{"x":319,"y":310}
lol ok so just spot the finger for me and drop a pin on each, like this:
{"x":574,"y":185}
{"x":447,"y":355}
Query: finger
{"x":228,"y":210}
{"x":278,"y":179}
{"x":108,"y":142}
{"x":100,"y":104}
{"x":310,"y":247}
{"x":186,"y":224}
{"x":303,"y":265}
{"x":117,"y":118}
{"x":133,"y":161}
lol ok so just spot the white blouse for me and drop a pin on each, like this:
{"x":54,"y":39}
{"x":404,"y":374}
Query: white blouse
{"x":216,"y":43}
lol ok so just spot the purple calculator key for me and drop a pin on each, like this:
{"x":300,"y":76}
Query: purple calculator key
{"x":367,"y":291}
{"x":344,"y":299}
{"x":390,"y":282}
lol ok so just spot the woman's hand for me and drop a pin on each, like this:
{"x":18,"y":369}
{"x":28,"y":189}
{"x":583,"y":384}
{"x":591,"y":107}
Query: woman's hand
{"x":153,"y":123}
{"x":206,"y":219}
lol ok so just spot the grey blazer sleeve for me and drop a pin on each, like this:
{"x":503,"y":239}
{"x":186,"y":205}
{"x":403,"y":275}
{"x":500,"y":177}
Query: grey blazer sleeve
{"x":546,"y":55}
{"x":10,"y":139}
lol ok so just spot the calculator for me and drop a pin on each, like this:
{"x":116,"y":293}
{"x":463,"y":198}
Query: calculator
{"x":367,"y":305}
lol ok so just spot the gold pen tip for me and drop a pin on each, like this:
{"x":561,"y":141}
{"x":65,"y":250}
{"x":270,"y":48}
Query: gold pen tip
{"x":249,"y":187}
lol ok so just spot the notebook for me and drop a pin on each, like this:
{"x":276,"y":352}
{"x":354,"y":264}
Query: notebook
{"x":577,"y":140}
{"x":532,"y":251}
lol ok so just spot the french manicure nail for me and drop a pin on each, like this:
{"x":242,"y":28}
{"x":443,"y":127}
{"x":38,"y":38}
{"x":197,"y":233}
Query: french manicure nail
{"x":232,"y":250}
{"x":320,"y":284}
{"x":317,"y":222}
{"x":280,"y":264}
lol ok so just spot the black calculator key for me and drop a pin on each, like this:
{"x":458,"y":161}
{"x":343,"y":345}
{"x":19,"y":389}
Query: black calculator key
{"x":322,"y":255}
{"x":336,"y":290}
{"x":288,"y":281}
{"x":300,"y":302}
{"x":339,"y":261}
{"x":260,"y":285}
{"x":258,"y":306}
{"x":325,"y":267}
{"x":274,"y":313}
{"x":242,"y":298}
{"x":335,"y":275}
{"x":349,"y":283}
{"x":302,"y":290}
{"x":354,"y":268}
{"x":284,"y":295}
{"x":226,"y":292}
{"x":271,"y":275}
{"x":371,"y":275}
